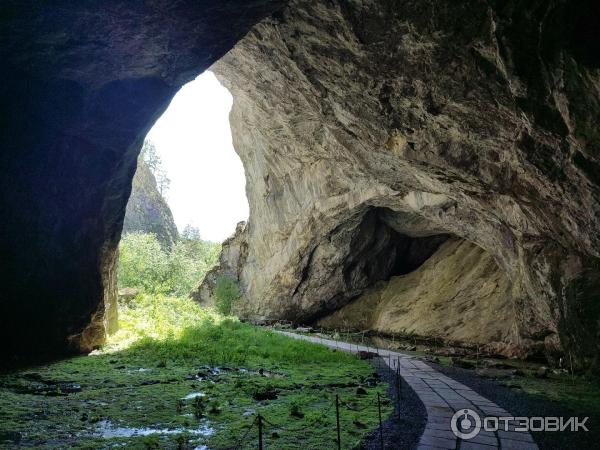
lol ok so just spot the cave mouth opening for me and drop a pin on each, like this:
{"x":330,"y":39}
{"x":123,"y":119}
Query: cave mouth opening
{"x":188,"y":195}
{"x":404,"y":275}
{"x":387,"y":244}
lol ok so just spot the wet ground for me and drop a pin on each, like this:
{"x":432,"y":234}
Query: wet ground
{"x":140,"y":399}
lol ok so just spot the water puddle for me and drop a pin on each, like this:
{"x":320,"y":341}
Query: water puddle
{"x":140,"y":370}
{"x":208,"y":373}
{"x":107,"y":430}
{"x":193,"y":395}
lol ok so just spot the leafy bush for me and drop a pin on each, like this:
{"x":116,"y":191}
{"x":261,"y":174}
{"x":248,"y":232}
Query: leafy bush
{"x":227,"y":291}
{"x":144,"y":265}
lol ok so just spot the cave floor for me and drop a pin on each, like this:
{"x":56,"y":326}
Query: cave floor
{"x":201,"y":388}
{"x":442,"y":397}
{"x":574,"y":392}
{"x":177,"y":378}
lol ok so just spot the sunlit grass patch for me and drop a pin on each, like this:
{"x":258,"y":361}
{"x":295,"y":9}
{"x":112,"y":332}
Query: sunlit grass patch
{"x":175,"y":366}
{"x":156,"y":317}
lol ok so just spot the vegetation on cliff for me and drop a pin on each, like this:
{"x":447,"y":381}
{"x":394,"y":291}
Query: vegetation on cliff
{"x":147,"y":209}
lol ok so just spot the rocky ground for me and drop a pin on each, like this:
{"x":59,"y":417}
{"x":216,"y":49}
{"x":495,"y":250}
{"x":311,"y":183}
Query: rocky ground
{"x":403,"y":428}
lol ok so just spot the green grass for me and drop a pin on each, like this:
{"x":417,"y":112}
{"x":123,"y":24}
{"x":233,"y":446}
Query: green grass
{"x":172,"y":340}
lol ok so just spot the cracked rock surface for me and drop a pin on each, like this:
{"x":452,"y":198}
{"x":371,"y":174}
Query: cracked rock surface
{"x":359,"y":122}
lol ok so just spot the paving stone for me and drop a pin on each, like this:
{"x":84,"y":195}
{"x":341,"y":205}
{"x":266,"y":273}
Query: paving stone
{"x":464,"y":445}
{"x":432,"y":441}
{"x":494,"y":411}
{"x":484,"y":439}
{"x":509,"y":444}
{"x":438,"y":425}
{"x":427,"y":447}
{"x":447,"y":434}
{"x":515,"y":436}
{"x":441,"y":396}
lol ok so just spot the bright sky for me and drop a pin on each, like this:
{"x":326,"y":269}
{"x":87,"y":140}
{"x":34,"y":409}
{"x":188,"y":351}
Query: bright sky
{"x":193,"y":139}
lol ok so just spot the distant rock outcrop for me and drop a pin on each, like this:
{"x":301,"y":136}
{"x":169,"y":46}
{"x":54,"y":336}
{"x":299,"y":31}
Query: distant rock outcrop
{"x":234,"y":252}
{"x":147,"y":210}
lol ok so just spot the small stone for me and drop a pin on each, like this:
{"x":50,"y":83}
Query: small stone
{"x":366,"y":355}
{"x":304,"y":329}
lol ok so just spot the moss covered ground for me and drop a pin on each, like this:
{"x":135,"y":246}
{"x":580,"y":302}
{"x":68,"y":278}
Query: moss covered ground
{"x":177,"y":376}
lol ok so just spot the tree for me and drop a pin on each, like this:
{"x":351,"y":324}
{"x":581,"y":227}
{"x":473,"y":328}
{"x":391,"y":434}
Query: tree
{"x":150,"y":156}
{"x":154,"y":163}
{"x":163,"y":182}
{"x":191,"y":233}
{"x":145,"y":265}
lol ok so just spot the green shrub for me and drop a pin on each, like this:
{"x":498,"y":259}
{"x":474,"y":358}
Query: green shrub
{"x":145,"y":265}
{"x":227,"y":291}
{"x":142,"y":263}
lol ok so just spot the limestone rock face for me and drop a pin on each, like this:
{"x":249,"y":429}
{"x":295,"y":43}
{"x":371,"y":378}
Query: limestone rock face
{"x":234,"y":251}
{"x":83,"y":82}
{"x":147,"y":211}
{"x":357,"y":120}
{"x":458,"y":294}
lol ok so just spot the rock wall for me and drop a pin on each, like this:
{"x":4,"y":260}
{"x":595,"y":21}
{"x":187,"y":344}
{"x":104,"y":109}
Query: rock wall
{"x":232,"y":258}
{"x":474,"y":119}
{"x":147,"y":211}
{"x":458,"y":294}
{"x":83,"y":82}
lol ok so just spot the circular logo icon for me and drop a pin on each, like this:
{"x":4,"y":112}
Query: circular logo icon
{"x":465,"y":424}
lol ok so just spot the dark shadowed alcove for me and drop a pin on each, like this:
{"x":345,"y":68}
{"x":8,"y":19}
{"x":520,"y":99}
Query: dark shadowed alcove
{"x":83,"y":82}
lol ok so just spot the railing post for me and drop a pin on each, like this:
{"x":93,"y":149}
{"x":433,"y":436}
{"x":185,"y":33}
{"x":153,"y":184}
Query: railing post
{"x":398,"y":384}
{"x":380,"y":424}
{"x":337,"y":421}
{"x":260,"y":433}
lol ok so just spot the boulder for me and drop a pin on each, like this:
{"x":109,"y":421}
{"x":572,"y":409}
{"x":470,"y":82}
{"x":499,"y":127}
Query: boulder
{"x":127,"y":294}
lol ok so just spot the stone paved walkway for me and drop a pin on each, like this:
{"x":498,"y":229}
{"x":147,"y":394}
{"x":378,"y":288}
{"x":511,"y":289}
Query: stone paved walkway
{"x":442,"y":397}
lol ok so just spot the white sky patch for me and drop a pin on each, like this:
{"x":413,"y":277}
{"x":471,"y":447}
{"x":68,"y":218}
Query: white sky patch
{"x":193,"y":139}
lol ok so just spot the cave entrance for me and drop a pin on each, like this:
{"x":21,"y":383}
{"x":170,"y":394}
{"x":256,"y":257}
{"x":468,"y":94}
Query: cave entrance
{"x":402,"y":276}
{"x":188,"y":195}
